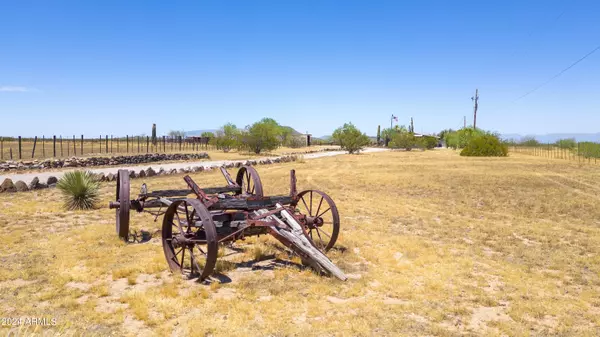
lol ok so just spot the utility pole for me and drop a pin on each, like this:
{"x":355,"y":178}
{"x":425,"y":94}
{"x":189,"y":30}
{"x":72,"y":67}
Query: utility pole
{"x":475,"y":99}
{"x":464,"y":122}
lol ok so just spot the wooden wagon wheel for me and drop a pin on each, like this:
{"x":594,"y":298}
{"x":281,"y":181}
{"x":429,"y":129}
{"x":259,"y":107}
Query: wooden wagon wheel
{"x":123,"y":209}
{"x":249,"y":181}
{"x":189,"y":238}
{"x":322,"y":220}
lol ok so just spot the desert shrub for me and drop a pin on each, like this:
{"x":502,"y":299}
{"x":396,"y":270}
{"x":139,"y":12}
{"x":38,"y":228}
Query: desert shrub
{"x":529,"y":141}
{"x":486,"y":145}
{"x":263,"y":135}
{"x":80,"y":190}
{"x":568,"y":143}
{"x":589,"y":149}
{"x":459,"y":139}
{"x":403,"y":140}
{"x":227,"y":137}
{"x":296,"y":142}
{"x":350,"y":138}
{"x":429,"y":142}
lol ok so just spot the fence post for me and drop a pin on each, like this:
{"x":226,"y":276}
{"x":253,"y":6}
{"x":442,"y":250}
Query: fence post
{"x":74,"y":146}
{"x":81,"y":145}
{"x":54,"y":146}
{"x":127,"y":141}
{"x":61,"y":148}
{"x":138,"y":139}
{"x":100,"y":143}
{"x":43,"y":146}
{"x":147,"y":144}
{"x":118,"y":144}
{"x":106,"y":143}
{"x":20,"y":148}
{"x":10,"y":152}
{"x":164,"y":144}
{"x":1,"y":148}
{"x":34,"y":143}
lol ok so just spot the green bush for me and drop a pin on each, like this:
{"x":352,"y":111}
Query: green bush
{"x":568,"y":143}
{"x":80,"y":190}
{"x":529,"y":141}
{"x":459,"y":139}
{"x":350,"y":138}
{"x":486,"y":145}
{"x":403,"y":140}
{"x":263,"y":135}
{"x":429,"y":142}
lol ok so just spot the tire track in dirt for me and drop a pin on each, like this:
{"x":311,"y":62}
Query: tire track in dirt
{"x":571,"y":188}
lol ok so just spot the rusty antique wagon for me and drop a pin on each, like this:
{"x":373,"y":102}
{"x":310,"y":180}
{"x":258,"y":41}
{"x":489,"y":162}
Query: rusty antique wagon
{"x":307,"y":222}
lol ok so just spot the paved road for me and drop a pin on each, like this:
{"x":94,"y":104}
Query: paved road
{"x":43,"y":176}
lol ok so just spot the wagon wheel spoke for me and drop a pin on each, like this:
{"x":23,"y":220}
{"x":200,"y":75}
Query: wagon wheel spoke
{"x":182,"y":259}
{"x":325,"y":211}
{"x":319,"y":231}
{"x":318,"y":208}
{"x":311,"y":203}
{"x":305,"y":205}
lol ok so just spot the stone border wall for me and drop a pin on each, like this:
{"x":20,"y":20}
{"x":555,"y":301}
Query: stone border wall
{"x":98,"y":161}
{"x":20,"y":186}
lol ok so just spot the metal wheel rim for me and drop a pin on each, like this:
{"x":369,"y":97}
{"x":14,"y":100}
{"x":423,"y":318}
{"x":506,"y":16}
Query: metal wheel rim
{"x":176,"y":254}
{"x":123,"y":192}
{"x":249,"y":180}
{"x":323,"y":238}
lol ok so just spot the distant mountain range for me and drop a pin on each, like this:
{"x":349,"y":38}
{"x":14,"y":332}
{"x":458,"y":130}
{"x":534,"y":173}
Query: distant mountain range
{"x":553,"y":137}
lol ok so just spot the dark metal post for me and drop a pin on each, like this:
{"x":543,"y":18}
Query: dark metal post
{"x":74,"y":146}
{"x":43,"y":146}
{"x":147,"y":144}
{"x":81,"y":145}
{"x":34,"y":143}
{"x":54,"y":146}
{"x":61,"y":148}
{"x":106,"y":143}
{"x":127,"y":141}
{"x":19,"y":147}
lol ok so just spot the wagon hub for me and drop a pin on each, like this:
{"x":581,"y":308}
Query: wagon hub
{"x":314,"y":221}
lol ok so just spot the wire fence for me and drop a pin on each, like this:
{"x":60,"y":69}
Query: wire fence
{"x":583,"y":152}
{"x":22,"y":148}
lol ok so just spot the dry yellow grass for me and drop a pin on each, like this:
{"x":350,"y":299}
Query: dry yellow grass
{"x":434,"y":244}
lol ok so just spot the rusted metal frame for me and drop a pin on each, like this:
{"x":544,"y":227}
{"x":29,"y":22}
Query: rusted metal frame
{"x":185,"y":192}
{"x":228,"y":178}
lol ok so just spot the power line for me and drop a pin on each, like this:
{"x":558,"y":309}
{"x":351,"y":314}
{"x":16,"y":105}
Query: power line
{"x":557,"y":75}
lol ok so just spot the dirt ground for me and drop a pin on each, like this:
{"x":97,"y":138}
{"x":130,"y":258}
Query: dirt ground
{"x":433,"y":244}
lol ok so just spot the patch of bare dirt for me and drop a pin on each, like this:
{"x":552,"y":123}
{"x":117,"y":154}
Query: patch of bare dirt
{"x":482,"y":315}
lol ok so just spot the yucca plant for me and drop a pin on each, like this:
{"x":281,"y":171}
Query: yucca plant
{"x":80,"y":190}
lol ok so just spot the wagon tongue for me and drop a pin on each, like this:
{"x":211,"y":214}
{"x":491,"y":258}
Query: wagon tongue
{"x":291,"y":234}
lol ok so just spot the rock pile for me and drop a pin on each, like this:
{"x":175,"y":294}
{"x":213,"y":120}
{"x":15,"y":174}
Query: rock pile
{"x":98,"y":161}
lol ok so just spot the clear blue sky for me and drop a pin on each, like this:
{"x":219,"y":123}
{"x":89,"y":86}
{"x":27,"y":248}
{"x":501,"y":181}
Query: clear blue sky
{"x":116,"y":67}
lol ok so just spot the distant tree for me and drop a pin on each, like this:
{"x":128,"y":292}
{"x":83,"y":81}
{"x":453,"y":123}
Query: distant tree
{"x":529,"y":141}
{"x":176,"y":134}
{"x":350,"y":138}
{"x":403,"y":139}
{"x":568,"y":143}
{"x":378,"y":134}
{"x":287,"y":135}
{"x":207,"y":134}
{"x":227,"y":137}
{"x":263,"y":135}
